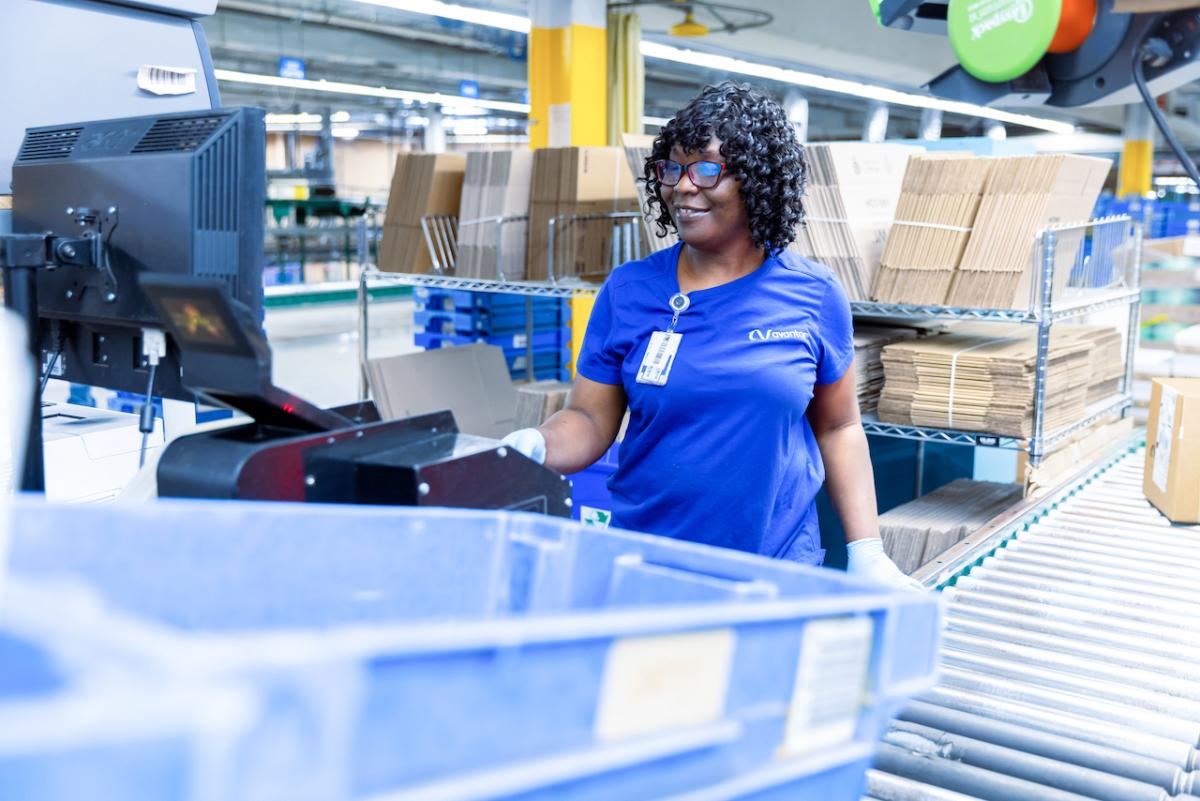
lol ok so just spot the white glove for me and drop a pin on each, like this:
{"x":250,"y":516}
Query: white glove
{"x":866,"y":558}
{"x":528,"y":442}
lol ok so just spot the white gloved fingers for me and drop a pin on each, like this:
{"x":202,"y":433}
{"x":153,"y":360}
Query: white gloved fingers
{"x":867,"y":559}
{"x":528,"y":442}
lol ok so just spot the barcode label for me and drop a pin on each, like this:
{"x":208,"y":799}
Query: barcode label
{"x":659,"y":358}
{"x":831,"y":684}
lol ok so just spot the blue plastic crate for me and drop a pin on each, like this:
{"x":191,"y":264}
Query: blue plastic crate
{"x":460,"y":299}
{"x":489,"y":653}
{"x":131,"y":403}
{"x":542,"y":360}
{"x":69,"y":732}
{"x":483,"y":322}
{"x":554,"y":338}
{"x":591,"y":500}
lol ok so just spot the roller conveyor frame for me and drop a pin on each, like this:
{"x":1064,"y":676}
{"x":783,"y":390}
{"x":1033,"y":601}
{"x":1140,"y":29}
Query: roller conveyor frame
{"x":1071,"y":658}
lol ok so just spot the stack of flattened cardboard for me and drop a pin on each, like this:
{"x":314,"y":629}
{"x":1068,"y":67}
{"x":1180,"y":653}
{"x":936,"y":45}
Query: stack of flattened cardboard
{"x":422,"y":184}
{"x":577,"y":181}
{"x":637,"y":151}
{"x":1106,"y":368}
{"x":538,"y":401}
{"x":850,"y":203}
{"x":918,"y":531}
{"x":966,"y":227}
{"x":1025,"y":194}
{"x":938,"y":201}
{"x":981,"y":378}
{"x":472,"y":381}
{"x":869,"y":342}
{"x":496,"y":186}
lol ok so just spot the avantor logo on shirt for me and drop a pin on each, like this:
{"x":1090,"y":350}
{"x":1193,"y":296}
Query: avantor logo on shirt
{"x":771,"y":335}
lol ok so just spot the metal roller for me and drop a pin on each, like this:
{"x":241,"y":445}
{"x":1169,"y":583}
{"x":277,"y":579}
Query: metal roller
{"x":1030,"y":566}
{"x":950,"y":775}
{"x":970,"y":600}
{"x":1088,"y":521}
{"x":1077,"y":597}
{"x":1140,"y":768}
{"x":1097,"y":543}
{"x":1068,"y":535}
{"x":1101,"y":708}
{"x":1087,"y":782}
{"x":886,"y":787}
{"x":1086,"y":728}
{"x":1017,"y":661}
{"x":1127,"y":556}
{"x":1038,"y":658}
{"x":1046,"y":673}
{"x":1142,"y":653}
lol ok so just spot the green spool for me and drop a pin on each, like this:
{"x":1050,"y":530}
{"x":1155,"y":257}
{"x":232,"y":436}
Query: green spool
{"x":999,"y":40}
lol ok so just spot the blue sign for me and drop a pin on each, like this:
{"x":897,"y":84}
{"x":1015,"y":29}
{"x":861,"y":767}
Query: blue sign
{"x":291,"y":67}
{"x":468,"y":88}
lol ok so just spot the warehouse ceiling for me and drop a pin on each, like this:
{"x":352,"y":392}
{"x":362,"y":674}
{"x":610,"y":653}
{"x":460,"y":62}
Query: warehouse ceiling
{"x":361,"y":43}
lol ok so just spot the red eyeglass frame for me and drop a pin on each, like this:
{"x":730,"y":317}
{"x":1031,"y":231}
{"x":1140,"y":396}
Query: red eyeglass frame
{"x":658,"y":170}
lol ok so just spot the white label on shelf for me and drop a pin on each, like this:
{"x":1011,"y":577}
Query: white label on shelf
{"x":559,"y":133}
{"x":654,"y":684}
{"x":519,"y":341}
{"x":1163,"y":438}
{"x":831,"y":684}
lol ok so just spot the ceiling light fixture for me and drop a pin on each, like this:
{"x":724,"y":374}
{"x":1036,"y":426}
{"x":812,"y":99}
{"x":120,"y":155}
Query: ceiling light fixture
{"x":341,"y":88}
{"x":476,"y":16}
{"x":293,"y":119}
{"x":845,"y":87}
{"x":340,"y":116}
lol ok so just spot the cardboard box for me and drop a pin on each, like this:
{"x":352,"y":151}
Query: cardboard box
{"x":1172,"y":474}
{"x":404,"y":250}
{"x":424,"y":184}
{"x":472,"y":381}
{"x":583,"y":181}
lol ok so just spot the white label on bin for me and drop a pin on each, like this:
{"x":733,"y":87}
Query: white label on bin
{"x":655,"y":684}
{"x":1163,"y":438}
{"x":831,"y":684}
{"x":519,"y":340}
{"x":591,"y":516}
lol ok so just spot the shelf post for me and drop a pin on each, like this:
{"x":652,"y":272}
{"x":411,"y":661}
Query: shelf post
{"x":363,"y":329}
{"x":1046,"y":302}
{"x":1135,"y":305}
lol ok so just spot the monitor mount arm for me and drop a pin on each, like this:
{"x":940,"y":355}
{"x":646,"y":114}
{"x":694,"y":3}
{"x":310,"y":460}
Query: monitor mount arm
{"x":21,"y":257}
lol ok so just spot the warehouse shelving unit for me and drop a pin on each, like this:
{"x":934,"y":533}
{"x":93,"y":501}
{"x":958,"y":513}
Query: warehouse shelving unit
{"x":1103,"y":274}
{"x":441,"y":234}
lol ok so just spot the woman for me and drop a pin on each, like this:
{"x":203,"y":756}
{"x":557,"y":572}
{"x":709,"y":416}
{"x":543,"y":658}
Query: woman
{"x":733,"y":356}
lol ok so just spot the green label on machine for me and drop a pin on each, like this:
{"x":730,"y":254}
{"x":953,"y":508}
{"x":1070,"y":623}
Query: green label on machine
{"x":999,"y":40}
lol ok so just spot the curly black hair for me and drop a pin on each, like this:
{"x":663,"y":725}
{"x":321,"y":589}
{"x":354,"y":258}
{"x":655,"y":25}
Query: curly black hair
{"x":760,"y":148}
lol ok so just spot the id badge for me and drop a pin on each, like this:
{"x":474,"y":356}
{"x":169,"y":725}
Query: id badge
{"x":660,"y":356}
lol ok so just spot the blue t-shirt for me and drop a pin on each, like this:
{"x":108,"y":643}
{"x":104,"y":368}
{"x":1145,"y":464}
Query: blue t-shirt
{"x":723,"y":453}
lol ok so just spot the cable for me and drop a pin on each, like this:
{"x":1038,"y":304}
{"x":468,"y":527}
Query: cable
{"x":146,"y":420}
{"x":50,"y":370}
{"x":1140,"y":54}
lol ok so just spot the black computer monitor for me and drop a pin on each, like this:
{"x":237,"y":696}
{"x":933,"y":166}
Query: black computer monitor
{"x":179,"y":194}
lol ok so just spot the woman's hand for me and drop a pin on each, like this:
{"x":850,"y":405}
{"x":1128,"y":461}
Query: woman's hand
{"x":866,"y":558}
{"x":576,"y":437}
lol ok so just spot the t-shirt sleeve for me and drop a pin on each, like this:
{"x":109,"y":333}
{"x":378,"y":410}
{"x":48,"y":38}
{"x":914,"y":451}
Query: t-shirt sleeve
{"x":598,"y":359}
{"x":837,"y":335}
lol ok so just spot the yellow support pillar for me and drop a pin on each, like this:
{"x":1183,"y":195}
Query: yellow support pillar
{"x":568,"y":92}
{"x":1137,"y":156}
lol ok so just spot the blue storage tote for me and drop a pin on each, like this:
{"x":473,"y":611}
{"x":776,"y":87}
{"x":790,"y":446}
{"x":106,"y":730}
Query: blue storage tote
{"x":513,"y":648}
{"x":513,"y":344}
{"x":481,"y":322}
{"x":459,"y":299}
{"x":591,"y":500}
{"x":67,"y":732}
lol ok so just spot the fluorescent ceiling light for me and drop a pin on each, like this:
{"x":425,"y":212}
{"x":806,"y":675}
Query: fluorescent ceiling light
{"x":845,"y":87}
{"x":306,"y":127}
{"x":1173,"y":180}
{"x":344,"y":131}
{"x":293,"y":119}
{"x":472,"y":139}
{"x":340,"y":116}
{"x":341,"y":88}
{"x":476,"y":16}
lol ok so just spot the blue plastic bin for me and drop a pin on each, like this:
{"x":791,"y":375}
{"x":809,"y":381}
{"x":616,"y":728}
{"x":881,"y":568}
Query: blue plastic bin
{"x":67,"y":732}
{"x":513,"y":344}
{"x":481,"y":322}
{"x":459,"y":299}
{"x":591,"y":500}
{"x":489,"y":655}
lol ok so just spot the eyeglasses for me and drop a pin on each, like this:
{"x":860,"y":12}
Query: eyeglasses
{"x":703,"y":174}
